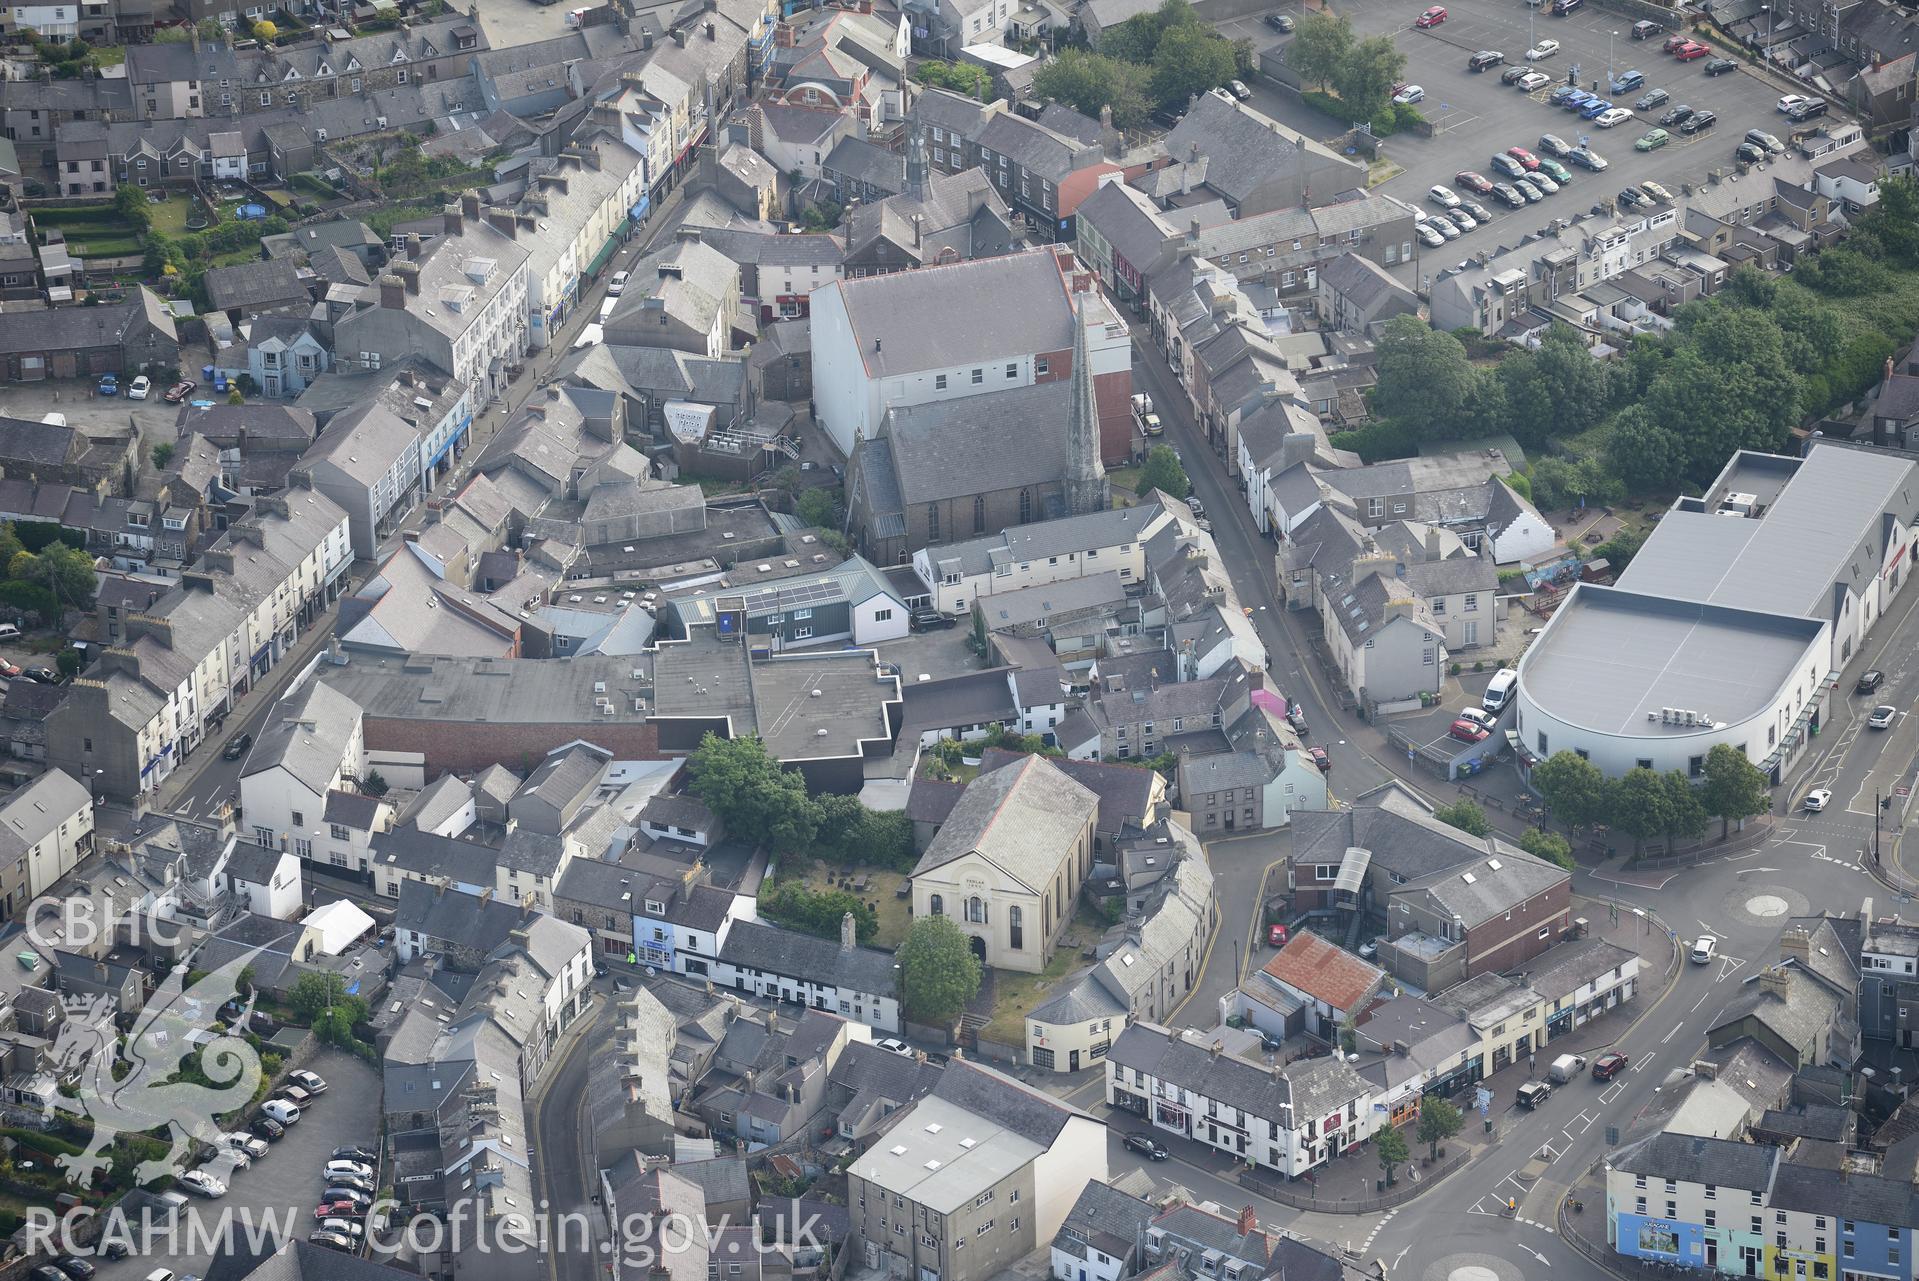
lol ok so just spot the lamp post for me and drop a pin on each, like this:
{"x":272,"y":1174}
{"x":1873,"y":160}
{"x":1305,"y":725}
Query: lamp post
{"x":1610,"y":35}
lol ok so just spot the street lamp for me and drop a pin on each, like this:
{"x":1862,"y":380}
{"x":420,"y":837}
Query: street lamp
{"x":1610,"y":36}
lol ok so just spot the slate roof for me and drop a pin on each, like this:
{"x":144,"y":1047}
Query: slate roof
{"x":1023,"y":819}
{"x":771,"y":950}
{"x":1402,"y":835}
{"x":1105,"y":1218}
{"x":1686,"y":1158}
{"x":868,"y":163}
{"x":272,"y":282}
{"x":1032,"y":1114}
{"x":81,"y":328}
{"x":311,"y":755}
{"x":1036,"y":148}
{"x":1476,"y":893}
{"x":970,"y":298}
{"x":1864,"y":1198}
{"x":1562,"y":970}
{"x":1156,"y":1052}
{"x":978,"y":444}
{"x":1124,"y":791}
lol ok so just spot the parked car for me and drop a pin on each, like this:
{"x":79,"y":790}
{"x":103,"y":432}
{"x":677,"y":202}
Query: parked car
{"x":295,"y":1095}
{"x":1469,"y":731}
{"x":1532,"y":1094}
{"x":331,"y":1241}
{"x":1689,"y":50}
{"x":1543,"y":181}
{"x":1508,"y":166}
{"x":1703,"y":949}
{"x":1428,"y":234}
{"x":350,"y":1183}
{"x":351,"y":1196}
{"x":141,"y":388}
{"x":1578,"y":100}
{"x":77,"y":1268}
{"x":236,"y":747}
{"x":617,"y":286}
{"x":1280,"y":21}
{"x":1479,"y":212}
{"x":1511,"y":75}
{"x":1675,"y":42}
{"x":1146,"y":1145}
{"x":1564,"y":7}
{"x":338,"y":1210}
{"x":893,"y":1045}
{"x":1675,"y":116}
{"x":1817,"y":799}
{"x":1543,"y":50}
{"x":1276,"y":935}
{"x":200,"y":1183}
{"x":1791,"y":100}
{"x":347,"y":1228}
{"x":109,"y":385}
{"x":311,"y":1082}
{"x":1810,"y":109}
{"x":269,"y":1129}
{"x":1627,"y":81}
{"x":44,"y":675}
{"x":46,"y":1272}
{"x":1609,"y":1065}
{"x":1238,"y":89}
{"x":1632,"y":197}
{"x":1656,"y":191}
{"x":1554,"y":145}
{"x":1645,"y":30}
{"x":1409,"y":95}
{"x":1533,"y":81}
{"x":930,"y":620}
{"x":1650,"y":99}
{"x":1431,"y":18}
{"x":1444,"y":197}
{"x":1509,"y":195}
{"x":255,"y":1148}
{"x":1749,"y":153}
{"x":1869,"y":680}
{"x":335,"y":1170}
{"x":1595,"y":109}
{"x":1556,"y":171}
{"x":1698,"y":122}
{"x":1150,"y":425}
{"x":1558,"y":97}
{"x":1720,"y":66}
{"x":1461,"y":219}
{"x":1532,"y":194}
{"x":1321,"y":758}
{"x":1612,"y":118}
{"x":1526,"y":159}
{"x":1652,"y":140}
{"x":1444,"y":227}
{"x":179,"y":391}
{"x":1882,"y":716}
{"x":281,"y":1110}
{"x":1473,"y":181}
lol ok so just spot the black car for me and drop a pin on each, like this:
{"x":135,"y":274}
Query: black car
{"x":1630,"y":197}
{"x":1749,"y":152}
{"x":1280,"y":21}
{"x":1146,"y":1145}
{"x":1869,"y":681}
{"x":348,"y":1190}
{"x":1511,"y":75}
{"x":351,"y":1182}
{"x":236,"y":747}
{"x":931,"y":620}
{"x":269,"y":1129}
{"x":351,"y":1153}
{"x":1650,"y":99}
{"x":1698,"y":122}
{"x":1559,"y":96}
{"x":77,"y":1268}
{"x":1508,"y":195}
{"x":1804,"y":111}
{"x":1678,"y":115}
{"x":45,"y":675}
{"x":1485,"y":58}
{"x":47,"y":1272}
{"x":1720,"y":66}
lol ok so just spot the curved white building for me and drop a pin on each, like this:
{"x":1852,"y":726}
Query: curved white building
{"x":1734,"y":621}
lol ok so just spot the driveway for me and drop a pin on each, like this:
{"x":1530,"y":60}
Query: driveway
{"x":279,"y":1192}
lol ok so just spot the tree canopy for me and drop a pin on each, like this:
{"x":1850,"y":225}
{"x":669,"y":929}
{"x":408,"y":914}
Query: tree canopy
{"x":938,"y":972}
{"x":1735,"y":789}
{"x":1465,"y":816}
{"x":746,"y":787}
{"x":1088,"y":81}
{"x":1573,"y":788}
{"x":1162,"y":470}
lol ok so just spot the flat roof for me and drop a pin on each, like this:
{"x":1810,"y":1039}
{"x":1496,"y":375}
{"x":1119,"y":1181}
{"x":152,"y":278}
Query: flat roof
{"x":943,"y":1156}
{"x":815,"y":706}
{"x":1609,"y":656}
{"x":509,"y":690}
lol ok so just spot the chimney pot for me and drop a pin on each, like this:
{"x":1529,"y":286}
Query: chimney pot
{"x":392,"y":293}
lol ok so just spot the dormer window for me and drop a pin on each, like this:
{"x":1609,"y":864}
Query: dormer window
{"x":655,"y":906}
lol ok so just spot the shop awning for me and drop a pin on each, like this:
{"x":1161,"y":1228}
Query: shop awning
{"x":607,"y":250}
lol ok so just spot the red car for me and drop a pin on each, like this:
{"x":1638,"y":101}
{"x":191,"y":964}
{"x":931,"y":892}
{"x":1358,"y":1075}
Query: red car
{"x":1431,"y":18}
{"x":179,"y":391}
{"x":1477,"y":183}
{"x":1524,"y":157}
{"x":1276,"y":935}
{"x":1674,"y":43}
{"x":1692,"y":49}
{"x":1321,"y":759}
{"x":340,"y":1210}
{"x":1608,"y":1066}
{"x":1468,"y":731}
{"x":9,"y":670}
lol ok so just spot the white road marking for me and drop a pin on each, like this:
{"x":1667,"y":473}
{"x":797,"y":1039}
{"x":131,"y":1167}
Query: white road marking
{"x":1670,"y":1033}
{"x":1537,"y":1255}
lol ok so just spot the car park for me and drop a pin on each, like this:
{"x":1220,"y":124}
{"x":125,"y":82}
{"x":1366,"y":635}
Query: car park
{"x":1627,"y":81}
{"x":1444,"y":197}
{"x":1554,"y":145}
{"x":1882,"y":716}
{"x":1485,"y":59}
{"x":1810,"y":109}
{"x":1556,"y":171}
{"x":1526,"y":158}
{"x":1750,"y":153}
{"x":1650,"y":99}
{"x":1431,"y":18}
{"x":1613,"y":118}
{"x":1462,"y":220}
{"x":1480,"y":213}
{"x":1146,"y":1145}
{"x":1720,"y":66}
{"x":1409,"y":95}
{"x":1869,"y":680}
{"x":1239,"y":90}
{"x":1508,"y":195}
{"x":1542,"y":51}
{"x":1474,"y":182}
{"x":1703,"y":949}
{"x":1609,"y":1065}
{"x":1652,"y":140}
{"x":1817,"y":799}
{"x":1698,"y":122}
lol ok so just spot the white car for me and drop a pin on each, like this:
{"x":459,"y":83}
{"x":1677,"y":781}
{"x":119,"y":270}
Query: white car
{"x":1409,"y":95}
{"x":1702,"y":949}
{"x":1542,"y":51}
{"x":1534,"y":80}
{"x":893,"y":1045}
{"x":1817,"y":799}
{"x":617,"y":285}
{"x":200,"y":1183}
{"x":1882,"y":716}
{"x":1792,"y":100}
{"x":347,"y":1170}
{"x":140,"y":389}
{"x":1614,"y":118}
{"x":1480,"y":717}
{"x":1444,"y":197}
{"x":311,"y":1082}
{"x":1444,"y":227}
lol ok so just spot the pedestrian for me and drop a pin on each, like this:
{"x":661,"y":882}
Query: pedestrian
{"x":1531,"y":1062}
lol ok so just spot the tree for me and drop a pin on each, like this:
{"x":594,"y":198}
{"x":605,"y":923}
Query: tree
{"x":1190,"y":60}
{"x":1573,"y":788}
{"x":10,"y":545}
{"x":69,"y":662}
{"x":1424,"y":377}
{"x":1685,"y":815}
{"x":757,"y":798}
{"x":1088,"y":81}
{"x":211,"y":31}
{"x":1465,"y":816}
{"x":938,"y":972}
{"x":1389,"y":1146}
{"x":265,"y":30}
{"x":1735,"y":789}
{"x":960,"y":77}
{"x":65,"y":571}
{"x":374,"y":784}
{"x":244,"y":983}
{"x":1649,"y":458}
{"x":1555,"y":391}
{"x":317,"y":992}
{"x":1641,"y":806}
{"x":1162,"y":470}
{"x":819,"y":506}
{"x":1138,"y":38}
{"x":163,"y":453}
{"x":1365,"y":78}
{"x":1439,"y":1120}
{"x":236,"y":397}
{"x":1319,"y":47}
{"x":1550,"y":846}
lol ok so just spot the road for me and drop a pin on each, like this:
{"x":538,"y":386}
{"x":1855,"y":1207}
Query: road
{"x":559,"y":1128}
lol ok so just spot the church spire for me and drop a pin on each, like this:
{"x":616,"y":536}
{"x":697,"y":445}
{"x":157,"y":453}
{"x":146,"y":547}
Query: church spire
{"x":1085,"y":477}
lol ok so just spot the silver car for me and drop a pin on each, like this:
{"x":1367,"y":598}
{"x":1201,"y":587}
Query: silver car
{"x":1462,"y":220}
{"x":1543,"y":181}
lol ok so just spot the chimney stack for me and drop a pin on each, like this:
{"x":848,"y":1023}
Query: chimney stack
{"x":413,"y":246}
{"x":1246,"y":1221}
{"x":393,"y":293}
{"x":451,"y":223}
{"x":470,"y":205}
{"x":502,"y":220}
{"x":1776,"y":980}
{"x":1795,"y":944}
{"x":409,"y":273}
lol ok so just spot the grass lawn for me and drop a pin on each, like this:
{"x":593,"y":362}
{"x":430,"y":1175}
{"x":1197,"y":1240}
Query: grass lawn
{"x":1016,"y":995}
{"x":170,"y":217}
{"x":893,"y":911}
{"x":107,"y":56}
{"x":1121,"y":482}
{"x":933,"y":767}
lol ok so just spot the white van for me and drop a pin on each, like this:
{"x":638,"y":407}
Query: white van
{"x":1500,"y":691}
{"x":606,"y":308}
{"x":281,"y":1110}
